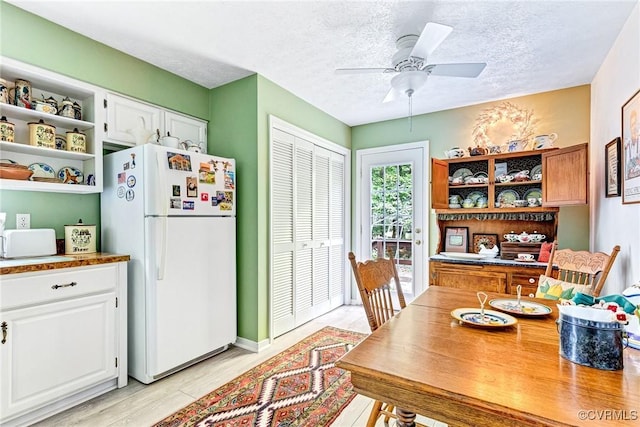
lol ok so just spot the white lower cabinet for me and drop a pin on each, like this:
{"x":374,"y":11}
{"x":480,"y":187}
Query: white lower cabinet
{"x":63,"y":339}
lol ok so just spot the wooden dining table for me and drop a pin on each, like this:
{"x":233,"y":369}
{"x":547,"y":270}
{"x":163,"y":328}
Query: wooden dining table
{"x":424,"y":361}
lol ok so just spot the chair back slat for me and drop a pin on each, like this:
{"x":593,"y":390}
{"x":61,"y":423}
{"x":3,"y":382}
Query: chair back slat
{"x":582,"y":267}
{"x":374,"y":279}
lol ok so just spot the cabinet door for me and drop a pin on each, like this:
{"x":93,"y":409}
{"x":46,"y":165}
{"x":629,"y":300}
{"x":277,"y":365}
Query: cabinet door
{"x":565,"y":176}
{"x":124,"y":114}
{"x":439,"y":184}
{"x":54,"y":350}
{"x":186,"y":128}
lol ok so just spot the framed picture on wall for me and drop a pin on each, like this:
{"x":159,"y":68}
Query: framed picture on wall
{"x":612,"y":168}
{"x":456,"y":239}
{"x":631,"y":150}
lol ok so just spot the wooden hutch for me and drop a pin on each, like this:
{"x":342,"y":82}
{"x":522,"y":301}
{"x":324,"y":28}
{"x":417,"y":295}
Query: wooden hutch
{"x":564,"y":182}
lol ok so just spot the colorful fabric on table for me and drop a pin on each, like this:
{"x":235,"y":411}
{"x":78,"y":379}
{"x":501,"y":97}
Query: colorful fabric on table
{"x":583,"y":299}
{"x":550,"y":288}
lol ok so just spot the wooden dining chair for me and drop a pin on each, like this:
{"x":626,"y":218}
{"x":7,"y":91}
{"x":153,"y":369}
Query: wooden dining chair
{"x":375,"y":279}
{"x":582,"y":268}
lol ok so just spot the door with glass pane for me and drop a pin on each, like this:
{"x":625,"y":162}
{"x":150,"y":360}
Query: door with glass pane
{"x":391,"y":211}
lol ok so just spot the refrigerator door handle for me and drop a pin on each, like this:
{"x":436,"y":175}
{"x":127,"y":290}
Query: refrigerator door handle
{"x":163,"y":225}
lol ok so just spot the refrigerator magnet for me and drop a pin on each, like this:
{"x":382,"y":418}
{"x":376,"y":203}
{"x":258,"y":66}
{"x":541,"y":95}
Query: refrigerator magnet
{"x":130,"y":195}
{"x":131,"y":181}
{"x":125,"y":166}
{"x":204,"y":197}
{"x":205,"y":174}
{"x":192,"y":186}
{"x":188,"y":205}
{"x":121,"y":192}
{"x":180,"y":162}
{"x":214,"y":201}
{"x":122,"y":177}
{"x":133,"y":160}
{"x":176,"y":191}
{"x":220,"y":196}
{"x":175,"y":203}
{"x":229,"y":180}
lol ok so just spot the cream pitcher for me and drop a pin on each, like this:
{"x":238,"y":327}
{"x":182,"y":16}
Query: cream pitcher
{"x":544,"y":141}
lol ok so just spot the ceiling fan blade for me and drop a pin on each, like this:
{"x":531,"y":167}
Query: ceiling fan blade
{"x":392,"y":95}
{"x":472,"y":69}
{"x":364,"y":70}
{"x":431,"y":37}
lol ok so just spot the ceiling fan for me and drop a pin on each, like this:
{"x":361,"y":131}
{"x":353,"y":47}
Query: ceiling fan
{"x":410,"y":65}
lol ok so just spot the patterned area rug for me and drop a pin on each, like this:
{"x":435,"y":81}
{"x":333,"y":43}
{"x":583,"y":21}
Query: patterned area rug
{"x":299,"y":387}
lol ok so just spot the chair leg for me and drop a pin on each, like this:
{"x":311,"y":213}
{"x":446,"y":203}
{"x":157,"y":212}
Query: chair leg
{"x":388,"y":411}
{"x":375,"y":412}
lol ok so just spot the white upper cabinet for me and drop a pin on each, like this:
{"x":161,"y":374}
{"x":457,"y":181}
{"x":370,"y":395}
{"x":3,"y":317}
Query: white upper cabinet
{"x":186,"y":128}
{"x":127,"y":116}
{"x":49,"y":163}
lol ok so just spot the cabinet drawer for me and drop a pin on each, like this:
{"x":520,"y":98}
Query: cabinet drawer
{"x":24,"y":289}
{"x":529,"y":283}
{"x":473,"y":280}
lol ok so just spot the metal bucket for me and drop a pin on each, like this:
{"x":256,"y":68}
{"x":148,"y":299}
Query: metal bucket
{"x":590,"y":343}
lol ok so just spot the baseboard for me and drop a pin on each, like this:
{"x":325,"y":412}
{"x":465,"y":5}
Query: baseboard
{"x":253,"y":346}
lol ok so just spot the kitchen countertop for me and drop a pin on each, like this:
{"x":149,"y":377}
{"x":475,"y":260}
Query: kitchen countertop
{"x":488,"y":261}
{"x":53,"y":262}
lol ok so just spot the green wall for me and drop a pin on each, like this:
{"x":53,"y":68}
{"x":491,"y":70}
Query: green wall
{"x":239,"y":128}
{"x":565,"y":112}
{"x":233,"y":133}
{"x":31,"y":39}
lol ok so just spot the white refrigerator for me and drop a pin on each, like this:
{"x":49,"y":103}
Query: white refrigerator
{"x":173,"y":212}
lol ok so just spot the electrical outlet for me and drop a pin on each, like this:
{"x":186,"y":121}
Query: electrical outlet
{"x":23,"y":221}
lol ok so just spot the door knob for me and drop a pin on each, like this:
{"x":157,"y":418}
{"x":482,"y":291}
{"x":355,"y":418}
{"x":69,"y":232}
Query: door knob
{"x":418,"y":230}
{"x":418,"y":242}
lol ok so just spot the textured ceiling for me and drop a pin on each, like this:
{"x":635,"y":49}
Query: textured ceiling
{"x":529,"y":46}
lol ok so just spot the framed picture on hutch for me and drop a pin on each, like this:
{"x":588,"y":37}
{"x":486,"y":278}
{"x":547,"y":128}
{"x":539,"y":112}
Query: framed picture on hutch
{"x":631,"y":150}
{"x":456,"y":239}
{"x":612,"y":168}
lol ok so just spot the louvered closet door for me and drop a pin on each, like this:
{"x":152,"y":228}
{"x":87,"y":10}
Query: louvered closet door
{"x":282,"y":231}
{"x":308,"y":228}
{"x":321,"y":241}
{"x":337,"y":260}
{"x":303,"y":267}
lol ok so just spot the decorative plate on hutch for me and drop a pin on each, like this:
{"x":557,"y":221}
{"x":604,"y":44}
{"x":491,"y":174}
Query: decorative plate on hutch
{"x":535,"y":193}
{"x":507,"y":197}
{"x":462,"y":172}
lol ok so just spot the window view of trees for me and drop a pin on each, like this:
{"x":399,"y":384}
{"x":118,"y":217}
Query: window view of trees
{"x":392,"y":211}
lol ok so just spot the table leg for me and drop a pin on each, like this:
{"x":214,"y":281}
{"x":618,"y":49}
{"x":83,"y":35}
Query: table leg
{"x":405,"y":418}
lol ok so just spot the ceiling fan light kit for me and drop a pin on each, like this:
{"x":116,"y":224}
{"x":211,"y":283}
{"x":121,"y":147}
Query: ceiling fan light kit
{"x":410,"y":64}
{"x":409,"y":82}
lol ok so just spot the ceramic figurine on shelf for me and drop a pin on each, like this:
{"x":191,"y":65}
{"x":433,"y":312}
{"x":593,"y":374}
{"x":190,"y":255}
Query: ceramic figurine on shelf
{"x":477,"y":151}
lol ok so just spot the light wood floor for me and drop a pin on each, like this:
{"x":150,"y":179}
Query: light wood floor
{"x":142,"y":405}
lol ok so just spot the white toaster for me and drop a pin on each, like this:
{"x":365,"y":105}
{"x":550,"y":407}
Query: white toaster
{"x":29,"y":242}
